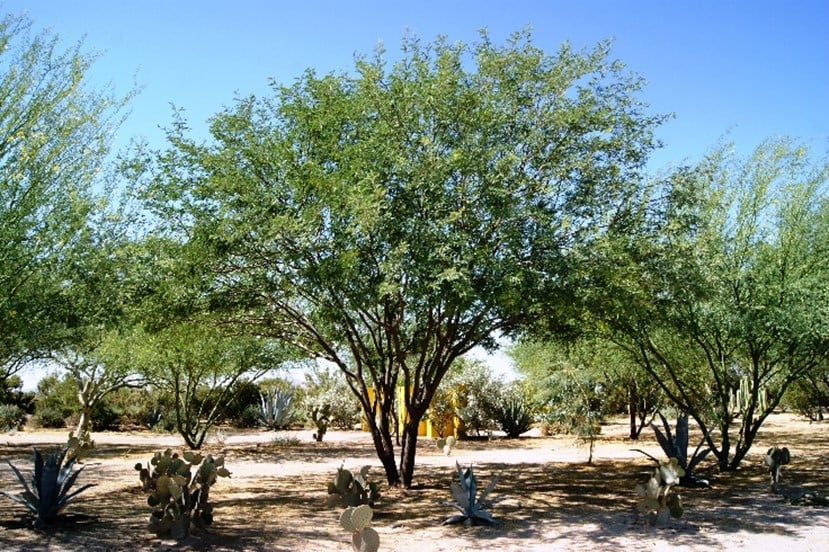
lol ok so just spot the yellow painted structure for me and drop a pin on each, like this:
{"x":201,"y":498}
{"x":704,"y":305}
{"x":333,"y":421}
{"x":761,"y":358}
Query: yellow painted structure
{"x":426,"y":428}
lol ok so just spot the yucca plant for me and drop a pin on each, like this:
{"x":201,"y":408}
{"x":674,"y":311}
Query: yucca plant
{"x":51,"y":482}
{"x":472,"y":507}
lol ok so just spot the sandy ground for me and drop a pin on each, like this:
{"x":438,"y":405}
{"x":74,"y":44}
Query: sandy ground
{"x":552,"y":500}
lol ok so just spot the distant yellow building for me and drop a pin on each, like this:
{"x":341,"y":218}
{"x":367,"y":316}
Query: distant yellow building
{"x":426,"y":428}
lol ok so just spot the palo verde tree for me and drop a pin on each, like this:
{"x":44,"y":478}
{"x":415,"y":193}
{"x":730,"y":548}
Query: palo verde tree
{"x":54,"y":134}
{"x":723,"y":300}
{"x":390,"y":220}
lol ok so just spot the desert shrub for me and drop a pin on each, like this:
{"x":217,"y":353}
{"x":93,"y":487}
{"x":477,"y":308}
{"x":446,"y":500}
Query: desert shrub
{"x":325,"y":386}
{"x":49,"y":417}
{"x":11,"y":417}
{"x":809,"y":396}
{"x":248,"y":418}
{"x":56,"y":402}
{"x":478,"y":395}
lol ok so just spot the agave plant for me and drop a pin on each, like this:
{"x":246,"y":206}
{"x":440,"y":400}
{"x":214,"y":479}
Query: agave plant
{"x":276,"y":409}
{"x":51,"y":481}
{"x":676,"y":446}
{"x":472,"y":507}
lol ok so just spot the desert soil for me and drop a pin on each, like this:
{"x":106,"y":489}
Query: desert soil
{"x":552,"y":499}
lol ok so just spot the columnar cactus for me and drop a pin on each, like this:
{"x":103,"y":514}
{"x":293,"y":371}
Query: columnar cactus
{"x":357,"y":520}
{"x":657,"y":498}
{"x":180,"y":499}
{"x":348,"y":489}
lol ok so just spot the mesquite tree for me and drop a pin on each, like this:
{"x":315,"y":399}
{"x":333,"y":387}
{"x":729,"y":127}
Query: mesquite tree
{"x":391,"y":219}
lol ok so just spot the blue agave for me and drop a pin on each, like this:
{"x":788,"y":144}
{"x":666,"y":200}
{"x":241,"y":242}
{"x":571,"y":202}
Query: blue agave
{"x":50,"y":489}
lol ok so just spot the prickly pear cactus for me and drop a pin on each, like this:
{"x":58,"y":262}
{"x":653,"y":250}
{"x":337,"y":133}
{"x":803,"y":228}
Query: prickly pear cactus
{"x":357,"y":520}
{"x":447,"y":444}
{"x":657,"y":498}
{"x":178,"y":489}
{"x":348,"y":489}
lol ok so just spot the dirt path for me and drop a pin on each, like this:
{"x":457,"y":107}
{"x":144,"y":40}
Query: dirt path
{"x":553,"y":500}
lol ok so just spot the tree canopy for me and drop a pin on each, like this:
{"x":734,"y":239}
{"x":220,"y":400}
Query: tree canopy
{"x":723,"y":297}
{"x":54,"y":134}
{"x":391,"y":219}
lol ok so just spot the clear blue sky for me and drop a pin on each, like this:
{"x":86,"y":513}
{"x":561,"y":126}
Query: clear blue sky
{"x":743,"y":70}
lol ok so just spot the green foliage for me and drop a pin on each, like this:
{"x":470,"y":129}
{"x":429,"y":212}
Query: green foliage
{"x":718,"y":292}
{"x":200,"y":368}
{"x":56,"y":401}
{"x":326,"y":389}
{"x":657,"y":498}
{"x":472,"y":507}
{"x":477,"y":394}
{"x":55,"y":132}
{"x":178,"y":490}
{"x":809,"y":396}
{"x":51,"y":483}
{"x":349,"y":489}
{"x":356,"y":520}
{"x":11,"y":417}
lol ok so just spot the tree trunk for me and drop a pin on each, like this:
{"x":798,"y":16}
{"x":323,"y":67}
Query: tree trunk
{"x":384,"y":446}
{"x":84,"y":424}
{"x":633,"y":409}
{"x":408,"y":451}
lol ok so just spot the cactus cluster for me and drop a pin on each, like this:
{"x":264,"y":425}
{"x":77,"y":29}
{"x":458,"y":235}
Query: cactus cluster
{"x":51,"y":481}
{"x":775,"y":459}
{"x":472,"y":507}
{"x":321,"y":416}
{"x":657,"y":498}
{"x":349,"y":489}
{"x":741,"y":397}
{"x":446,"y":444}
{"x":178,"y":496}
{"x":357,"y":520}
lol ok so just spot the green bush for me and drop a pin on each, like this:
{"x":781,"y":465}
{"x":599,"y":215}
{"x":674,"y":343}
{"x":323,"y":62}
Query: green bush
{"x":11,"y":417}
{"x":478,"y":395}
{"x":49,"y":417}
{"x":326,"y":386}
{"x":56,"y":401}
